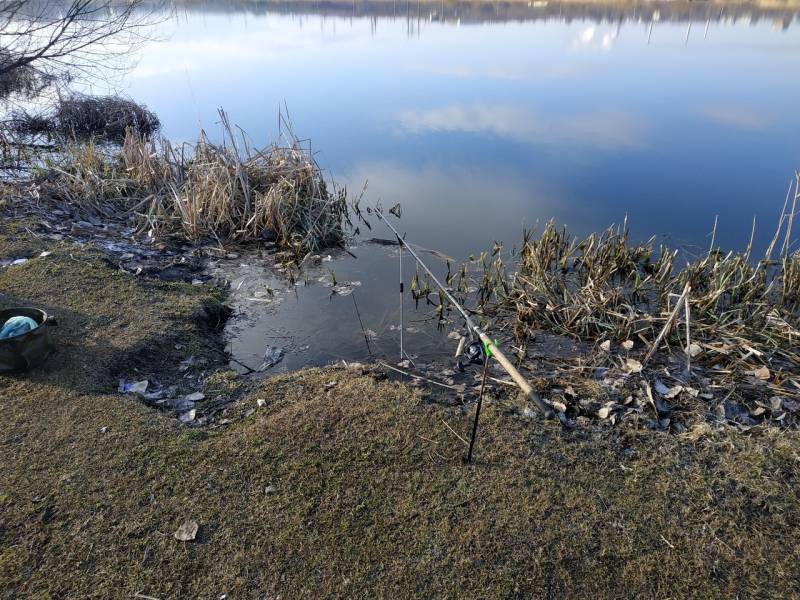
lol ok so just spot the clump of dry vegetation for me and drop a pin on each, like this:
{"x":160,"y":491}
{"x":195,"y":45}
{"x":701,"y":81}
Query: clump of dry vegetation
{"x":83,"y":117}
{"x":25,"y":81}
{"x":718,"y":335}
{"x":223,"y":191}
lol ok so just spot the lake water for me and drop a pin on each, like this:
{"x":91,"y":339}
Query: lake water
{"x":484,"y":118}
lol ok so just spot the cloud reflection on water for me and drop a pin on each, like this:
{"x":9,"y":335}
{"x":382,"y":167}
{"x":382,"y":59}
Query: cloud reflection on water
{"x":607,"y":129}
{"x":736,"y":116}
{"x":442,"y":203}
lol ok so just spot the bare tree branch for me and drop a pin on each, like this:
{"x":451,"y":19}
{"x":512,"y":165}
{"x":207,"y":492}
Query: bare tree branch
{"x":52,"y":40}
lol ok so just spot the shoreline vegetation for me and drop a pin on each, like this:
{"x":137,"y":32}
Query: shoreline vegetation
{"x":713,"y":338}
{"x":108,"y":160}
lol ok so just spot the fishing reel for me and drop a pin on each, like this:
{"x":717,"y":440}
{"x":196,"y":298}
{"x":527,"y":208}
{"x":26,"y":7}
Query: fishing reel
{"x":473,"y":354}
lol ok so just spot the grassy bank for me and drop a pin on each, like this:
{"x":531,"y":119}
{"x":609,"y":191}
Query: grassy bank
{"x":368,"y":496}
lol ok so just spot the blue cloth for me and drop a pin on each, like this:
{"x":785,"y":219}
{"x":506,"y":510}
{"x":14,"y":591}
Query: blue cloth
{"x":17,"y":326}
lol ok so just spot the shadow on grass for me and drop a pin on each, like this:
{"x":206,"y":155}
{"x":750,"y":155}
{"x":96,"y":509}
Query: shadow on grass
{"x":93,"y":352}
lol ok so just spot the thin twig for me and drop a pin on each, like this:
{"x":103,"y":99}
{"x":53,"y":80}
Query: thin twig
{"x":667,"y":325}
{"x":431,"y":381}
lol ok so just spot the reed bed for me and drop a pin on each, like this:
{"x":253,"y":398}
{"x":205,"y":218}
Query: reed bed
{"x":84,"y":117}
{"x":606,"y":287}
{"x":603,"y":288}
{"x":718,"y":333}
{"x":225,"y":191}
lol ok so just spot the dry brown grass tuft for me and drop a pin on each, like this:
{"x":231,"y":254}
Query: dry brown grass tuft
{"x":224,"y":190}
{"x":605,"y":287}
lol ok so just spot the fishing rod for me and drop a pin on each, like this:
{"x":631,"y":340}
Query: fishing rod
{"x":489,"y":347}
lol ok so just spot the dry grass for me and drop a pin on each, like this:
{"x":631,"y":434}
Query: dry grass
{"x":225,"y":191}
{"x":83,"y":117}
{"x":371,"y":499}
{"x":605,"y":287}
{"x":242,"y":194}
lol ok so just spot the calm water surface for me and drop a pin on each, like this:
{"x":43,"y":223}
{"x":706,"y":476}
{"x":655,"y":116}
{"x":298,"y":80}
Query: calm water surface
{"x":482,"y":125}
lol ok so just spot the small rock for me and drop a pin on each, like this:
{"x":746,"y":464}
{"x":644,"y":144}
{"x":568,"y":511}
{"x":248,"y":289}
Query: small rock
{"x":762,"y":373}
{"x":261,"y":402}
{"x":187,"y":532}
{"x":182,"y":404}
{"x":103,"y":429}
{"x":791,"y":405}
{"x":694,"y":349}
{"x":660,"y":387}
{"x":188,"y":416}
{"x":606,"y":410}
{"x":633,"y":366}
{"x":606,"y":346}
{"x":566,"y":422}
{"x":662,"y":407}
{"x":627,"y":344}
{"x":270,"y":489}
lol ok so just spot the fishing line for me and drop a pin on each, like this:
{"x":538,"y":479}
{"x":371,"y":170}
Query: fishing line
{"x":360,"y":322}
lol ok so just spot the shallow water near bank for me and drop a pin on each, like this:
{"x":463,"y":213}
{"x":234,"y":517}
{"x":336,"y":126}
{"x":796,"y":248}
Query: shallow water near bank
{"x":342,"y":308}
{"x":482,"y":119}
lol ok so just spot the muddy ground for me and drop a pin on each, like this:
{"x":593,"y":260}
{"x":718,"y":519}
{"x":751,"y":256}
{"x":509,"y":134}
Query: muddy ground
{"x":339,"y":483}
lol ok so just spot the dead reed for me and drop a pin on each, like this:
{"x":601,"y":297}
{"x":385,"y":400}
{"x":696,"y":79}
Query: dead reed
{"x":84,"y":117}
{"x":605,"y":287}
{"x":222,"y":191}
{"x":723,"y":329}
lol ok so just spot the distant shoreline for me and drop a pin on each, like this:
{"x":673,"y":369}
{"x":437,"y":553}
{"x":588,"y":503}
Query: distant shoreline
{"x":782,"y":13}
